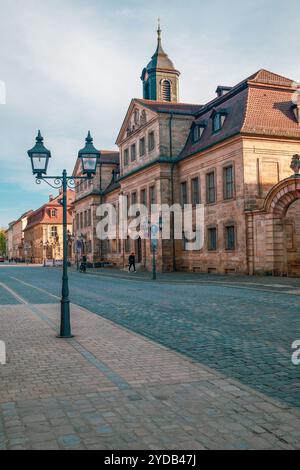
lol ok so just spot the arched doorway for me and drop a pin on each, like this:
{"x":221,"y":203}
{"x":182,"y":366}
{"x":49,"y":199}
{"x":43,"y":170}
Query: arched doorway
{"x":273,"y":232}
{"x":282,"y":228}
{"x":291,"y":227}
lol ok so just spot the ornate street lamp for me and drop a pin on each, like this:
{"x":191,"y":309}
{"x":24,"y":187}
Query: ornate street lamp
{"x":89,"y":157}
{"x":39,"y":156}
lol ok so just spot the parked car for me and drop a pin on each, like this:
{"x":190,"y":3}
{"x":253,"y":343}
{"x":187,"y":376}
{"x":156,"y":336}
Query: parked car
{"x":1,"y":259}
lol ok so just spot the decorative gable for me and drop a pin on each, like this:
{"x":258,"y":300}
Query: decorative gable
{"x":137,"y":116}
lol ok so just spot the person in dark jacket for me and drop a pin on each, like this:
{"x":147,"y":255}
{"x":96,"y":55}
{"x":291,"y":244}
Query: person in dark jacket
{"x":131,"y":262}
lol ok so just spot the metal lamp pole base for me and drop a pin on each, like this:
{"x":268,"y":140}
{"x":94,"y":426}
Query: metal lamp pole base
{"x":65,"y":323}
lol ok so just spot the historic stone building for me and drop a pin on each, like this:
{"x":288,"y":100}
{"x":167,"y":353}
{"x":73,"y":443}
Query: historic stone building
{"x":18,"y":228}
{"x":232,"y":154}
{"x":88,"y":196}
{"x":43,"y":235}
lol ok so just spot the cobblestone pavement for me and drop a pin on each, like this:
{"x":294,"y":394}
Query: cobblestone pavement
{"x":243,"y":333}
{"x":109,"y":388}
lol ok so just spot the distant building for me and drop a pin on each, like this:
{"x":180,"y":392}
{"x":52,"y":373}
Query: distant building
{"x":88,"y":196}
{"x":17,"y":228}
{"x":43,"y":235}
{"x":9,"y":240}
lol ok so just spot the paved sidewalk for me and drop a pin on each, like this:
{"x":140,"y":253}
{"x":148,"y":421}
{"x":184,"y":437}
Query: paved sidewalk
{"x":109,"y":388}
{"x":269,"y":283}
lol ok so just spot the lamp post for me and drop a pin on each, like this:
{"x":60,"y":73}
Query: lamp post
{"x":89,"y":157}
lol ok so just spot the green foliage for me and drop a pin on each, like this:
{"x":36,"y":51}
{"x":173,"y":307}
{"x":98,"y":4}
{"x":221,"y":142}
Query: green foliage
{"x":2,"y":242}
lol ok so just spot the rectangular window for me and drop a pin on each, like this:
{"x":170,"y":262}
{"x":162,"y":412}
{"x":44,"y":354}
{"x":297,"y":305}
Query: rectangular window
{"x":183,"y":193}
{"x":133,"y":152}
{"x":230,"y":237}
{"x":152,"y":196}
{"x":142,"y":147}
{"x":127,"y":245}
{"x":81,"y":220}
{"x":212,"y":239}
{"x":133,"y":198}
{"x":210,"y":188}
{"x":228,"y":182}
{"x":126,"y":157}
{"x":89,"y":217}
{"x":54,"y":232}
{"x":143,"y":197}
{"x":85,"y":218}
{"x":77,"y":222}
{"x":151,"y":141}
{"x":195,"y":191}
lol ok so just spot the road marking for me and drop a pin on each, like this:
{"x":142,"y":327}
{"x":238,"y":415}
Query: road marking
{"x":13,"y":293}
{"x":35,"y":287}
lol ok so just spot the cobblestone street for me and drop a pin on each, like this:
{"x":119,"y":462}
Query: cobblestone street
{"x":201,"y":363}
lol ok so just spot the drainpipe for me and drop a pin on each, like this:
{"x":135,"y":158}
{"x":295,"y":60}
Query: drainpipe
{"x":172,"y":194}
{"x":101,"y":200}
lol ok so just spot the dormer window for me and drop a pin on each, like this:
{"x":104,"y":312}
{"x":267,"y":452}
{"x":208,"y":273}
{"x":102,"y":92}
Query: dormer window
{"x":198,"y":131}
{"x":53,"y":212}
{"x":218,"y":118}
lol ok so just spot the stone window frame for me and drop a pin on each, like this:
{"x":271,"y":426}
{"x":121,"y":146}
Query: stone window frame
{"x":195,"y":177}
{"x":133,"y":153}
{"x":151,"y":141}
{"x":207,"y":173}
{"x":142,"y":139}
{"x":134,"y":198}
{"x":126,"y":157}
{"x":186,"y":183}
{"x":226,"y":225}
{"x":224,"y":167}
{"x":144,"y":190}
{"x":54,"y":233}
{"x":208,"y":228}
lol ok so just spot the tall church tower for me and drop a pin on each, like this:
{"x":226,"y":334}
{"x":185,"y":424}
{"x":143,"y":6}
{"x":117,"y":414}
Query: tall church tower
{"x":160,"y":78}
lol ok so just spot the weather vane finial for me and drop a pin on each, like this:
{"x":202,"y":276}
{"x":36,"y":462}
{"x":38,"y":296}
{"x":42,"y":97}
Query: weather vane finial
{"x":158,"y":29}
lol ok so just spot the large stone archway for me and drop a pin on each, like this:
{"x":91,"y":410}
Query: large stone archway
{"x":274,"y":232}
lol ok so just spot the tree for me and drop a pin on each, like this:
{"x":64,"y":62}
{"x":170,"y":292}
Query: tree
{"x":2,"y":242}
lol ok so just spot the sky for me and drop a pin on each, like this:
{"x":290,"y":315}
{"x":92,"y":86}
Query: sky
{"x":69,"y":66}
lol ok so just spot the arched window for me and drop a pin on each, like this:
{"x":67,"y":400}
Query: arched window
{"x":166,"y":90}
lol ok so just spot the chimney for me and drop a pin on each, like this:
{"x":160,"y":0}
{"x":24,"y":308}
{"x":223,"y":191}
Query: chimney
{"x":222,"y":90}
{"x":51,"y":197}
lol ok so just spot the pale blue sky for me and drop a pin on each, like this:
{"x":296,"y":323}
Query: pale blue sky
{"x":73,"y":65}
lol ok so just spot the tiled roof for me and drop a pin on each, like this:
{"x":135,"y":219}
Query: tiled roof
{"x":41,"y":215}
{"x":259,"y":105}
{"x":269,"y":78}
{"x":270,"y":112}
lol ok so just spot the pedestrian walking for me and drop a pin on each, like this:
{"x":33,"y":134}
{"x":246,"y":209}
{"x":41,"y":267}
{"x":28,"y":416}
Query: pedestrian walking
{"x":131,"y":262}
